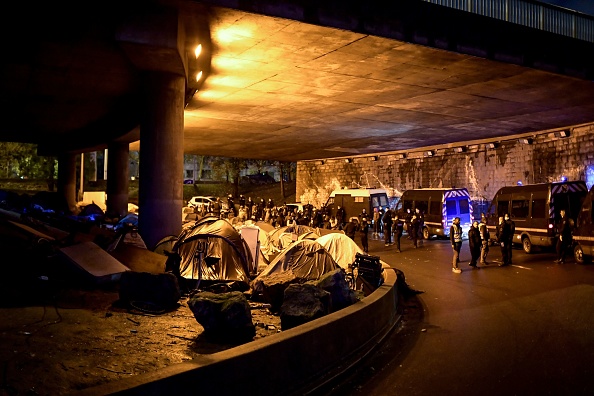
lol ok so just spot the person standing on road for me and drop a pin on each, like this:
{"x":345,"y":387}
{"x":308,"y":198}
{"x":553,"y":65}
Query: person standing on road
{"x":363,"y":230}
{"x":474,"y":243}
{"x":503,"y":230}
{"x":510,"y":237}
{"x":387,"y":220}
{"x":456,"y":240}
{"x":413,"y":227}
{"x":498,"y":232}
{"x":565,"y":237}
{"x":420,"y":225}
{"x":376,"y":223}
{"x":485,"y":239}
{"x":398,"y":226}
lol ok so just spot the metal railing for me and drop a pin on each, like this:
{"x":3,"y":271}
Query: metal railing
{"x":529,"y":13}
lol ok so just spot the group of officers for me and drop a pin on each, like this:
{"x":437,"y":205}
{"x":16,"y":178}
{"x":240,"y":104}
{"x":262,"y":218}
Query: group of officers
{"x":479,"y":240}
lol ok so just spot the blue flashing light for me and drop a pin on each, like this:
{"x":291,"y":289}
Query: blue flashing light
{"x":563,"y":178}
{"x":520,"y":183}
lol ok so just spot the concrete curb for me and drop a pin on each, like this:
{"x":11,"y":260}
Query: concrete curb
{"x":294,"y":361}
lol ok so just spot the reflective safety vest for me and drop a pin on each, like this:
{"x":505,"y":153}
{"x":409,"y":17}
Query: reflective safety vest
{"x":457,"y":233}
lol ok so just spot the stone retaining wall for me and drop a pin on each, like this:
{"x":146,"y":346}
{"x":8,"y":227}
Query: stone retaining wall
{"x":480,"y":168}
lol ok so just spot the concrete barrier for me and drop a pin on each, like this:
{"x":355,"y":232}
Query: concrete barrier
{"x":292,"y":362}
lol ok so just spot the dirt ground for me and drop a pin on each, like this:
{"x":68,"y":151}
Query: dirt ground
{"x":57,"y":339}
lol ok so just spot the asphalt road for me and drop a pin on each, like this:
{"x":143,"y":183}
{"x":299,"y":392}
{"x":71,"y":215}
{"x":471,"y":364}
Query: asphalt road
{"x":526,"y":329}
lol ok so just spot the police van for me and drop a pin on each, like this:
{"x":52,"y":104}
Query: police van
{"x":534,"y":208}
{"x":583,"y":233}
{"x":440,"y":206}
{"x":354,"y":200}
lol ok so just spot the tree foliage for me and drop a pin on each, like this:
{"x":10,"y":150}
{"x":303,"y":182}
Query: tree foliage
{"x":229,"y":169}
{"x":20,"y":160}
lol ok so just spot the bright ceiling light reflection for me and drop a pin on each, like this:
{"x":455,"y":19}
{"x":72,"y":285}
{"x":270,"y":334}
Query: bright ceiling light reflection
{"x":199,"y":76}
{"x":233,"y":33}
{"x":198,"y":50}
{"x":222,"y":62}
{"x":211,"y":94}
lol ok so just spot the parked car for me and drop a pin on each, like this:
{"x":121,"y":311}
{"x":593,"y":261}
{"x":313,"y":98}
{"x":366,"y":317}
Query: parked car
{"x":292,"y":206}
{"x":199,"y":201}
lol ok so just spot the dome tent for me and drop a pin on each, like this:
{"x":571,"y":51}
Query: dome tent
{"x":306,"y":259}
{"x":226,"y":255}
{"x":342,"y":248}
{"x":280,"y":238}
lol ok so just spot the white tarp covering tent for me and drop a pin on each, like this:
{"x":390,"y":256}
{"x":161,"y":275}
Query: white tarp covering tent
{"x":266,"y":250}
{"x":307,"y":259}
{"x":251,"y":235}
{"x":342,"y":248}
{"x":225,"y":255}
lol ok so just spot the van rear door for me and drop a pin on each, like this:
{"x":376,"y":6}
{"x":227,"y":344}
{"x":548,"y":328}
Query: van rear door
{"x":583,"y":233}
{"x":377,"y":201}
{"x":457,"y":207}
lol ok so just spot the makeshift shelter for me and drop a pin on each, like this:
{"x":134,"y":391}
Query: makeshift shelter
{"x":281,"y":237}
{"x":306,"y":259}
{"x":212,"y":250}
{"x":342,"y":248}
{"x":165,"y":245}
{"x":253,"y":237}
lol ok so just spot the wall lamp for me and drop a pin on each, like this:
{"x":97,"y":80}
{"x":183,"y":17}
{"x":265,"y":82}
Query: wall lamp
{"x":525,"y":141}
{"x":320,"y":162}
{"x":401,"y":156}
{"x":373,"y":158}
{"x":491,"y":146}
{"x":562,"y":134}
{"x":459,"y":149}
{"x":348,"y":160}
{"x":429,"y":153}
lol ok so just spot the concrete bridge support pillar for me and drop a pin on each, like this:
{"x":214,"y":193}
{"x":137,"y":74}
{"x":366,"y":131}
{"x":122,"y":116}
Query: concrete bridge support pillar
{"x":67,"y":178}
{"x":118,"y":179}
{"x":161,"y":157}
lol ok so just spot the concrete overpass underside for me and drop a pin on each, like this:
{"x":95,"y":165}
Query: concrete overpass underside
{"x":280,"y":80}
{"x":278,"y":85}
